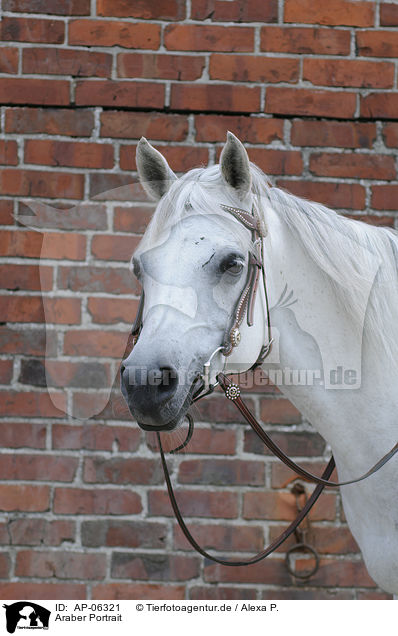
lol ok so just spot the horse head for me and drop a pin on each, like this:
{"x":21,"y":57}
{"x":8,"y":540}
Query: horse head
{"x":193,"y":264}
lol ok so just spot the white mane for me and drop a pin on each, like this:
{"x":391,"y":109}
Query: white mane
{"x":342,"y":248}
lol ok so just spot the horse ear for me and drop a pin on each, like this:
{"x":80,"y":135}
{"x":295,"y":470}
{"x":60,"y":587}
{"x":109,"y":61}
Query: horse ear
{"x":154,"y":172}
{"x":235,"y":165}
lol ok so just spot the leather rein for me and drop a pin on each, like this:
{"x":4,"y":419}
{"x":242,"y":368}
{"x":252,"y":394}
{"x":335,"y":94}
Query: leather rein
{"x":245,"y":306}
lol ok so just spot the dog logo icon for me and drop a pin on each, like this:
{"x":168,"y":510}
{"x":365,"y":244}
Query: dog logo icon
{"x":26,"y":615}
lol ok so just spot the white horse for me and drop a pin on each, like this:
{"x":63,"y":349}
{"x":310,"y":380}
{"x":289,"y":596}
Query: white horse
{"x":333,"y":291}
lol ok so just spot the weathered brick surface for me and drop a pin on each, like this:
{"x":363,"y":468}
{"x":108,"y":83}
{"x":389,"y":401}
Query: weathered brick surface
{"x":311,"y":88}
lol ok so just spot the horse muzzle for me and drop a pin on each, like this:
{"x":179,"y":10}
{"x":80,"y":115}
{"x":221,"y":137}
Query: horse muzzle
{"x":152,"y":396}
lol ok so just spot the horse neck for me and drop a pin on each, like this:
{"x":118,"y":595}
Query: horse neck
{"x":316,"y":334}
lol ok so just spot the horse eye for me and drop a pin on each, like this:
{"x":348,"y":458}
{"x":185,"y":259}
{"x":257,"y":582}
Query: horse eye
{"x":232,"y":265}
{"x":236,"y":268}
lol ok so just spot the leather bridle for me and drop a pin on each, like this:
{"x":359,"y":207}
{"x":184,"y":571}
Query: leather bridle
{"x":245,"y":306}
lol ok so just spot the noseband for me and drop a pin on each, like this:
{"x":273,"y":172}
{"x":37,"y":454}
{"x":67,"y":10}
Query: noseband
{"x":245,"y":306}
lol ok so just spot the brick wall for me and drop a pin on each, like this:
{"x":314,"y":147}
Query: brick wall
{"x":311,"y":88}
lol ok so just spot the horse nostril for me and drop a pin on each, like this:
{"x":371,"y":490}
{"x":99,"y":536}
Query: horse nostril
{"x":168,"y":380}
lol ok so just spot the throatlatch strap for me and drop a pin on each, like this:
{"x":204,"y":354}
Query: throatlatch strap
{"x":234,"y":395}
{"x":264,"y":553}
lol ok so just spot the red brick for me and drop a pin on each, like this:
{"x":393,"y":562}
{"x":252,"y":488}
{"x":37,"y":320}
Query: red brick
{"x":377,"y":43}
{"x":4,"y":565}
{"x":36,"y":183}
{"x":358,"y":166}
{"x":235,"y":11}
{"x":62,"y":373}
{"x":95,"y":437}
{"x":143,"y":9}
{"x":150,"y":591}
{"x":299,"y":593}
{"x":6,"y":212}
{"x":207,"y":37}
{"x":70,"y":154}
{"x":255,"y":130}
{"x":213,"y":442}
{"x":31,"y":245}
{"x":131,"y":219}
{"x":333,"y":133}
{"x":271,"y":571}
{"x":38,"y":467}
{"x":51,"y":121}
{"x":344,"y":573}
{"x":112,"y":93}
{"x":110,"y":344}
{"x":194,"y":504}
{"x":123,"y":186}
{"x":66,"y":311}
{"x":380,"y":105}
{"x":32,"y":30}
{"x":9,"y":60}
{"x":335,"y":195}
{"x":221,"y":472}
{"x":180,"y":158}
{"x":282,"y":476}
{"x":53,"y":61}
{"x":84,"y":216}
{"x":277,"y":161}
{"x":388,"y":14}
{"x":217,"y":409}
{"x":333,"y":13}
{"x":328,"y":540}
{"x":38,"y":591}
{"x":30,"y":404}
{"x":374,"y":596}
{"x":128,"y":534}
{"x":112,"y":310}
{"x":14,"y":243}
{"x":318,"y":103}
{"x":113,"y":247}
{"x":57,"y":7}
{"x":122,"y":471}
{"x":390,"y":135}
{"x":282,"y":506}
{"x":22,"y":434}
{"x":357,"y":73}
{"x":31,"y":277}
{"x":279,"y":411}
{"x":385,"y":197}
{"x":115,"y":280}
{"x":305,"y":40}
{"x":163,"y":567}
{"x":221,"y":593}
{"x":178,"y":67}
{"x":27,"y":341}
{"x":215,"y":97}
{"x":292,"y":443}
{"x":218,"y":537}
{"x":24,"y":498}
{"x":114,"y":33}
{"x":6,"y":367}
{"x":66,"y":565}
{"x":34,"y":91}
{"x":40,"y":531}
{"x":97,"y":501}
{"x":8,"y":152}
{"x":240,"y":68}
{"x":101,"y":404}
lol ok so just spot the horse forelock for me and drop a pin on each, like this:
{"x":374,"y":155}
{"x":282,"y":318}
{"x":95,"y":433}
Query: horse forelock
{"x":199,"y":191}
